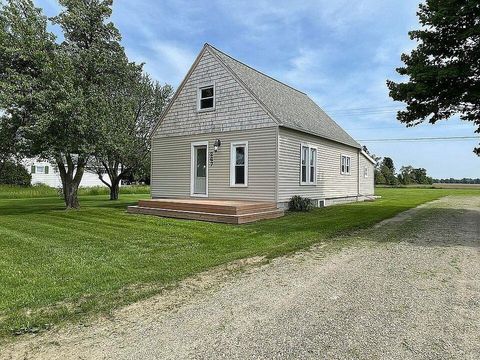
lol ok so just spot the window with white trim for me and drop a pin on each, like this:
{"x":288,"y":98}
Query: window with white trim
{"x":239,"y":164}
{"x":206,"y":97}
{"x":365,"y":171}
{"x":308,"y":165}
{"x":345,"y":165}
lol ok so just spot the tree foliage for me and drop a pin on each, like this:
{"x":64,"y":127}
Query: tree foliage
{"x":385,"y":172}
{"x":64,"y":99}
{"x":26,"y":53}
{"x":15,"y":174}
{"x":409,"y":175}
{"x":444,"y":69}
{"x":134,"y":107}
{"x":458,"y":181}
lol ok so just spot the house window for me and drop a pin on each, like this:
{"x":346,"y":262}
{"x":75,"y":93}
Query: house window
{"x":345,"y":165}
{"x":308,"y":165}
{"x":239,"y":164}
{"x":206,"y":97}
{"x":365,"y":171}
{"x":39,"y":169}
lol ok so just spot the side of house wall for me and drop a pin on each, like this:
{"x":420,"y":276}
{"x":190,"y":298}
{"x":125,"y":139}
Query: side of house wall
{"x":331,"y":185}
{"x":367,"y":177}
{"x":171,"y":165}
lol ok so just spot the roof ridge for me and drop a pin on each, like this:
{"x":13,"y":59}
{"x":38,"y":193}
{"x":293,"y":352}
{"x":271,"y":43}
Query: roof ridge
{"x":251,"y":68}
{"x":292,"y":109}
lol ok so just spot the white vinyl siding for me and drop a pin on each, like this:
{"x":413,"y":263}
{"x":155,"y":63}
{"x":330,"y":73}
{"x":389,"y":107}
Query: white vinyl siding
{"x":171,"y":165}
{"x":329,"y":182}
{"x":366,"y":182}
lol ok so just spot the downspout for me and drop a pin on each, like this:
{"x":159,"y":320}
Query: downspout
{"x":277,"y":160}
{"x":358,"y":175}
{"x":151,"y":167}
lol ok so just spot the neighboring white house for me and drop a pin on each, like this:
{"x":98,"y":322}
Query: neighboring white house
{"x":46,"y":173}
{"x":232,"y":132}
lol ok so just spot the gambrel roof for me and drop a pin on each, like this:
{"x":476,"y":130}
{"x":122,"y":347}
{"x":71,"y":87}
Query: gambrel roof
{"x":289,"y":107}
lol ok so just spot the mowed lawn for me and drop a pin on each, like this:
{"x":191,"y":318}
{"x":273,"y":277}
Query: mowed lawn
{"x":58,"y":265}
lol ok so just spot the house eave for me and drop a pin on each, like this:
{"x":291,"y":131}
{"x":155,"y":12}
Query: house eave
{"x":357,"y":146}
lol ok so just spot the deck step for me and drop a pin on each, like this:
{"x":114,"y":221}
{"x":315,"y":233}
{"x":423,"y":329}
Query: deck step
{"x":207,"y":215}
{"x":209,"y":206}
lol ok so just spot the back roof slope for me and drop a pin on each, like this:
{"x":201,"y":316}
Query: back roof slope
{"x":290,"y":107}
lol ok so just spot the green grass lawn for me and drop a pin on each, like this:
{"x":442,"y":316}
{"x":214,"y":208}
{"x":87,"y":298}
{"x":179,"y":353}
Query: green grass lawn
{"x":58,"y":265}
{"x":39,"y":190}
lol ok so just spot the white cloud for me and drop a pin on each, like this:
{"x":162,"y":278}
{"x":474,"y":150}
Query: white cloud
{"x":164,"y":61}
{"x":305,"y":69}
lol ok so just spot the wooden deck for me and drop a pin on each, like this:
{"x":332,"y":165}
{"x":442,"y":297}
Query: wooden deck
{"x":223,"y":211}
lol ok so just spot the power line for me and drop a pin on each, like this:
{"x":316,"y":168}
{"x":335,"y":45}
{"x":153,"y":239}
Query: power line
{"x":365,"y":108}
{"x":440,"y":138}
{"x":399,"y":127}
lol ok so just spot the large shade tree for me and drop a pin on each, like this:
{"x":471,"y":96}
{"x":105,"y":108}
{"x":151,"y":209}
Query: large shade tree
{"x":134,"y":107}
{"x":55,"y":93}
{"x":444,"y":69}
{"x":92,"y":45}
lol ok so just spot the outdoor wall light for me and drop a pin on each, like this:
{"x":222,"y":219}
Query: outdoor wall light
{"x":216,"y":145}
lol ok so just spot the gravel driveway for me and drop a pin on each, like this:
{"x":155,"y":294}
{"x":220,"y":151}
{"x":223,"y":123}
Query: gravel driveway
{"x":408,"y":289}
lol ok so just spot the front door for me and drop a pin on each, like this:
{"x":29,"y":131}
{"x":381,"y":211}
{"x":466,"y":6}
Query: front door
{"x":200,"y":170}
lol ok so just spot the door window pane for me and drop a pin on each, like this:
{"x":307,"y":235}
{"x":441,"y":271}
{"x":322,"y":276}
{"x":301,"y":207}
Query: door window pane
{"x":201,"y":162}
{"x":240,"y":156}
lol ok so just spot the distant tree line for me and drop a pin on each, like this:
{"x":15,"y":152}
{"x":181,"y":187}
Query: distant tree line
{"x":385,"y":173}
{"x":457,"y":181}
{"x":78,"y":102}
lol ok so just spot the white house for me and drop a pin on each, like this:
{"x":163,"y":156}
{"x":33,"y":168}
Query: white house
{"x":46,"y":173}
{"x":232,"y":132}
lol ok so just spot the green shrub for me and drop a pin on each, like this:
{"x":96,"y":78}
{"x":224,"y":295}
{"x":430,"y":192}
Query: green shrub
{"x":15,"y":174}
{"x":298,"y":203}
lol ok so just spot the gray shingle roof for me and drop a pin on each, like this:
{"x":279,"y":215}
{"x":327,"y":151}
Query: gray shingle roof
{"x":290,"y":107}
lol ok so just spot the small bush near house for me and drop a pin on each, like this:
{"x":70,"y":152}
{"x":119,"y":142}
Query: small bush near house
{"x":15,"y":174}
{"x":298,"y":203}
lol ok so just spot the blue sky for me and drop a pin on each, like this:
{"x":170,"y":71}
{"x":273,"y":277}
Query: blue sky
{"x":339,"y":52}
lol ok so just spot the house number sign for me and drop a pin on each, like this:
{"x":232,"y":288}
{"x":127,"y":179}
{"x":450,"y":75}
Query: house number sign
{"x":210,"y":157}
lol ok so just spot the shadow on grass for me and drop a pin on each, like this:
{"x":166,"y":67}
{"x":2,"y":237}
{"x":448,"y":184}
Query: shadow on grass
{"x":46,"y":205}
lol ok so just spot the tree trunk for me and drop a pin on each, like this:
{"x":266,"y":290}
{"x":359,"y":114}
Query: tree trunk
{"x":111,"y":168}
{"x":114,"y":190}
{"x":70,"y":193}
{"x":71,"y":180}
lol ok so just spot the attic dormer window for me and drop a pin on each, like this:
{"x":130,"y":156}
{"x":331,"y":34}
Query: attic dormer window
{"x":206,"y":97}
